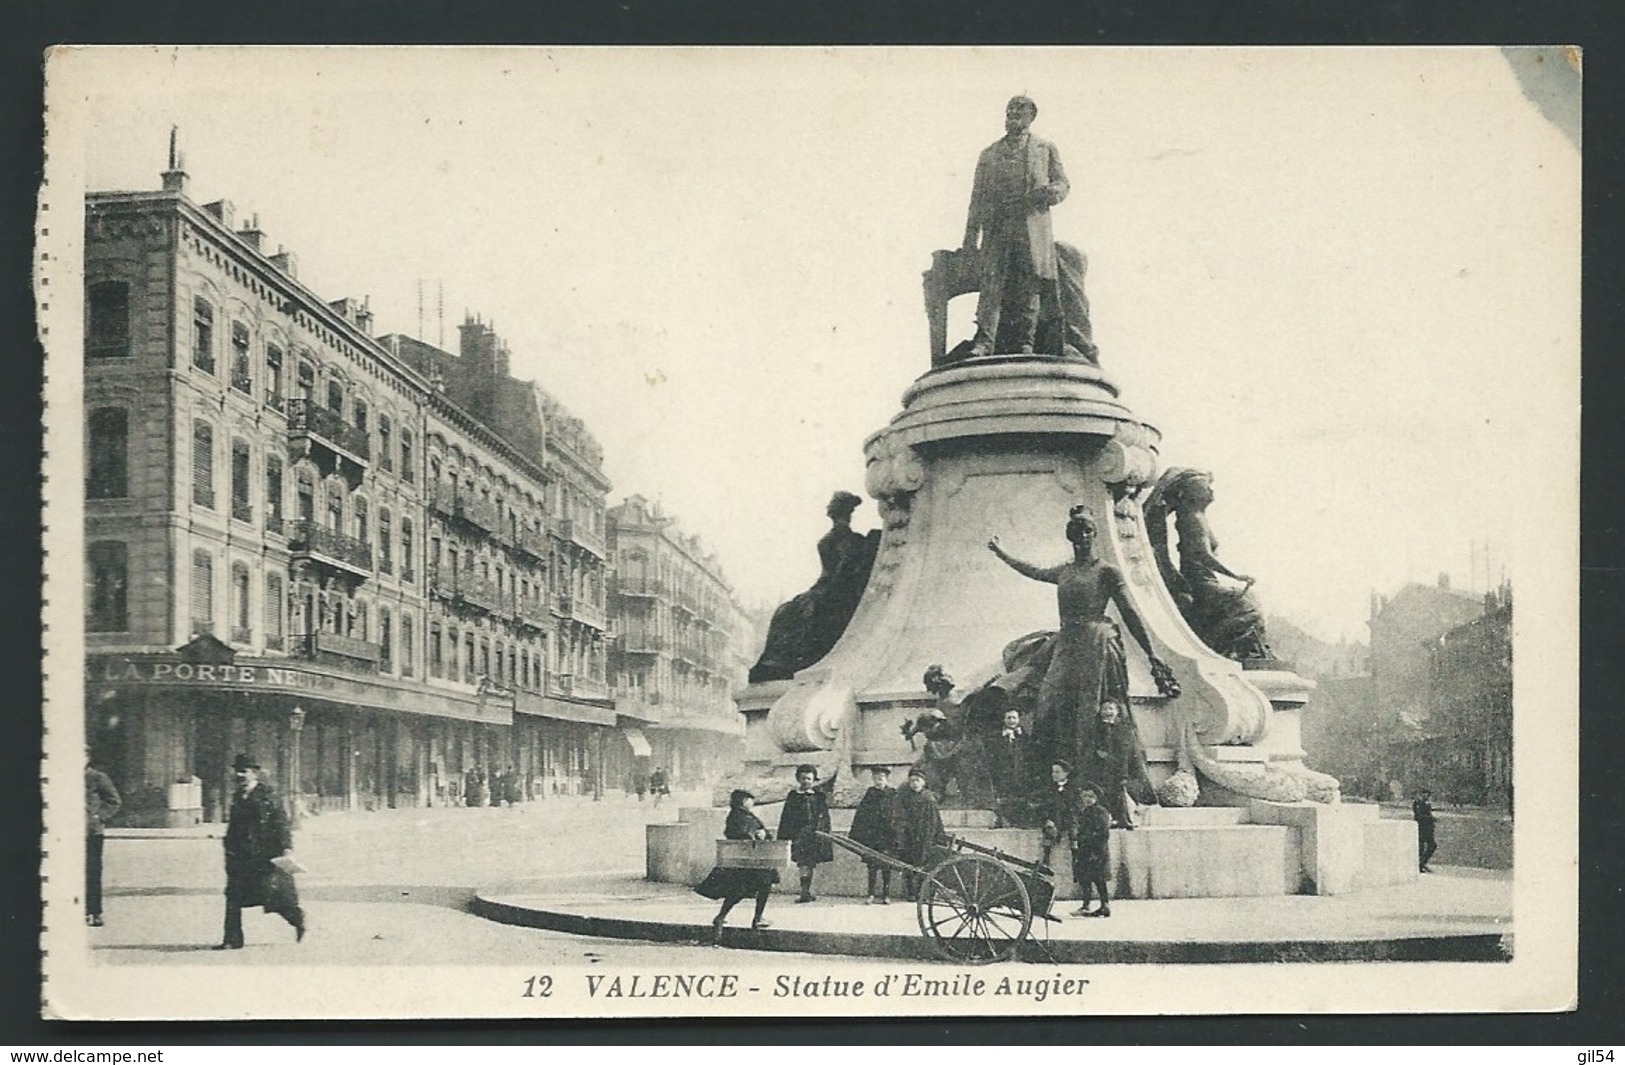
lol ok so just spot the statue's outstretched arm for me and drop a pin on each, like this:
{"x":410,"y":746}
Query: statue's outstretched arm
{"x":1051,"y":575}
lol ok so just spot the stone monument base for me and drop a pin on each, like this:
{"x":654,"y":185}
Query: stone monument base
{"x":1260,"y":849}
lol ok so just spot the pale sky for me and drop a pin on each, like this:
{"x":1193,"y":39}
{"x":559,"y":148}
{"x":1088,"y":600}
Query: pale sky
{"x":1347,"y":282}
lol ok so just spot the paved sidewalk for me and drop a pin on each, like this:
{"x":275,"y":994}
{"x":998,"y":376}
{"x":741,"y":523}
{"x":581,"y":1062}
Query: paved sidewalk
{"x":1456,"y":914}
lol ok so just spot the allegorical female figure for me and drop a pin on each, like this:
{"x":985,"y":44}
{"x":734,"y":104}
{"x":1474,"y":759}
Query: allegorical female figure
{"x":1227,"y":618}
{"x":804,"y":629}
{"x":1082,"y":666}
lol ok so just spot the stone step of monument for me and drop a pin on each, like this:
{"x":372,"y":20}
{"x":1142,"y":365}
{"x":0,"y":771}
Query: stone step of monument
{"x":1188,"y":817}
{"x":841,"y":819}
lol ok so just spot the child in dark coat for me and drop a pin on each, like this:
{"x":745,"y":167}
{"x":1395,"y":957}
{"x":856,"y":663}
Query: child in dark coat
{"x":733,"y":885}
{"x":875,"y":826}
{"x":806,"y":813}
{"x":919,"y":826}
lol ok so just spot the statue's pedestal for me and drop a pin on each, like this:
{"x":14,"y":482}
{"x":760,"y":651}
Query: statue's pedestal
{"x":1003,"y":446}
{"x":1263,"y":849}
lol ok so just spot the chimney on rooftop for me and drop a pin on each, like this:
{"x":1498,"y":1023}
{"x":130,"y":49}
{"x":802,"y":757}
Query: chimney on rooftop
{"x":363,"y":315}
{"x":285,"y":261}
{"x":223,"y":210}
{"x":252,"y":232}
{"x":175,"y":176}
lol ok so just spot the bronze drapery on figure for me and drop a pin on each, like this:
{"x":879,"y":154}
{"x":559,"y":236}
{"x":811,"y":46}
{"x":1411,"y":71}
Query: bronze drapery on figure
{"x":1226,"y":618}
{"x":804,"y":629}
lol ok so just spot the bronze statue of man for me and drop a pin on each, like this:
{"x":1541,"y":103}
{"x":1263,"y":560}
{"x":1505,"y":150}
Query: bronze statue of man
{"x":1018,"y":179}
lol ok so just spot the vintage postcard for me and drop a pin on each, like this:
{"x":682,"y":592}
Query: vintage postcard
{"x":686,"y":532}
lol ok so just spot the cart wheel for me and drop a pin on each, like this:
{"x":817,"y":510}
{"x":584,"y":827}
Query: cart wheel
{"x":974,"y":910}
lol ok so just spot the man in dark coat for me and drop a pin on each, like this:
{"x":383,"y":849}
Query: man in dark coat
{"x":875,"y":826}
{"x":919,"y":826}
{"x":256,"y":833}
{"x":1091,"y":850}
{"x":101,"y":802}
{"x":1426,"y":844}
{"x":805,"y":814}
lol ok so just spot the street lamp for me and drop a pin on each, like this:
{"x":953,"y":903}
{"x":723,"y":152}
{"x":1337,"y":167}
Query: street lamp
{"x":296,"y":787}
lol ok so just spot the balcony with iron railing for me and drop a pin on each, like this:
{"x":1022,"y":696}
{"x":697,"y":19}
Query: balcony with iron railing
{"x":474,"y":511}
{"x":580,"y":533}
{"x":580,"y":686}
{"x":440,"y":582}
{"x":530,"y":611}
{"x":307,"y":418}
{"x":481,"y":592}
{"x":334,"y":649}
{"x":590,"y":614}
{"x":640,"y":643}
{"x":442,"y":499}
{"x":532,"y":541}
{"x":330,"y":547}
{"x":564,"y":604}
{"x":636,"y":586}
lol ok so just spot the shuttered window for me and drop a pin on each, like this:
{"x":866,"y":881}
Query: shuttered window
{"x":273,"y":493}
{"x":408,"y":647}
{"x":107,"y":335}
{"x":274,"y":608}
{"x":202,"y":593}
{"x":203,"y":335}
{"x":241,"y":509}
{"x":203,"y":464}
{"x":109,"y":474}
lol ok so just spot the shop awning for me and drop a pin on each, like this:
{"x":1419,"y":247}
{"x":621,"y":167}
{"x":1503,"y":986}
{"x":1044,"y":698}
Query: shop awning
{"x":639,"y":742}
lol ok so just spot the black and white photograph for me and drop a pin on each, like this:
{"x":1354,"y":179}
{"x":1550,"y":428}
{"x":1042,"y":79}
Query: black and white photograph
{"x":875,"y":532}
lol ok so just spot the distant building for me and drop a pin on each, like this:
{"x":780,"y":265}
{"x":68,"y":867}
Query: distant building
{"x":1382,"y":726}
{"x":1462,"y":747}
{"x":376,"y":565}
{"x":682,"y":645}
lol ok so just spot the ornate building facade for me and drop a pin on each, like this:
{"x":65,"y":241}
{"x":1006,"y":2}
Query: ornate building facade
{"x":376,"y":565}
{"x":683,"y":645}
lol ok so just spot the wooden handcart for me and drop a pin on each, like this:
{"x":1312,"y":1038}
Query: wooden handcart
{"x":976,"y":904}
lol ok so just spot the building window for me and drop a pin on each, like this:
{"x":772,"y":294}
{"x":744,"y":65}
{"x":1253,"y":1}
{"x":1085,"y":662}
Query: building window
{"x":386,"y":636}
{"x":335,"y":397}
{"x":203,"y":335}
{"x":242,"y":378}
{"x":202,"y":593}
{"x":407,"y":473}
{"x":360,"y":416}
{"x":109,"y":475}
{"x":203,"y":464}
{"x":406,"y":550}
{"x":386,"y":542}
{"x":468,"y":656}
{"x":273,"y":494}
{"x":386,"y":444}
{"x":408,"y":648}
{"x":274,"y":610}
{"x":273,"y":377}
{"x":335,"y":509}
{"x":307,"y":381}
{"x":485,"y":658}
{"x":359,"y":621}
{"x":436,"y":663}
{"x":109,"y":605}
{"x":306,"y":492}
{"x":107,"y":332}
{"x":240,"y":631}
{"x":361,"y":528}
{"x":241,"y":508}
